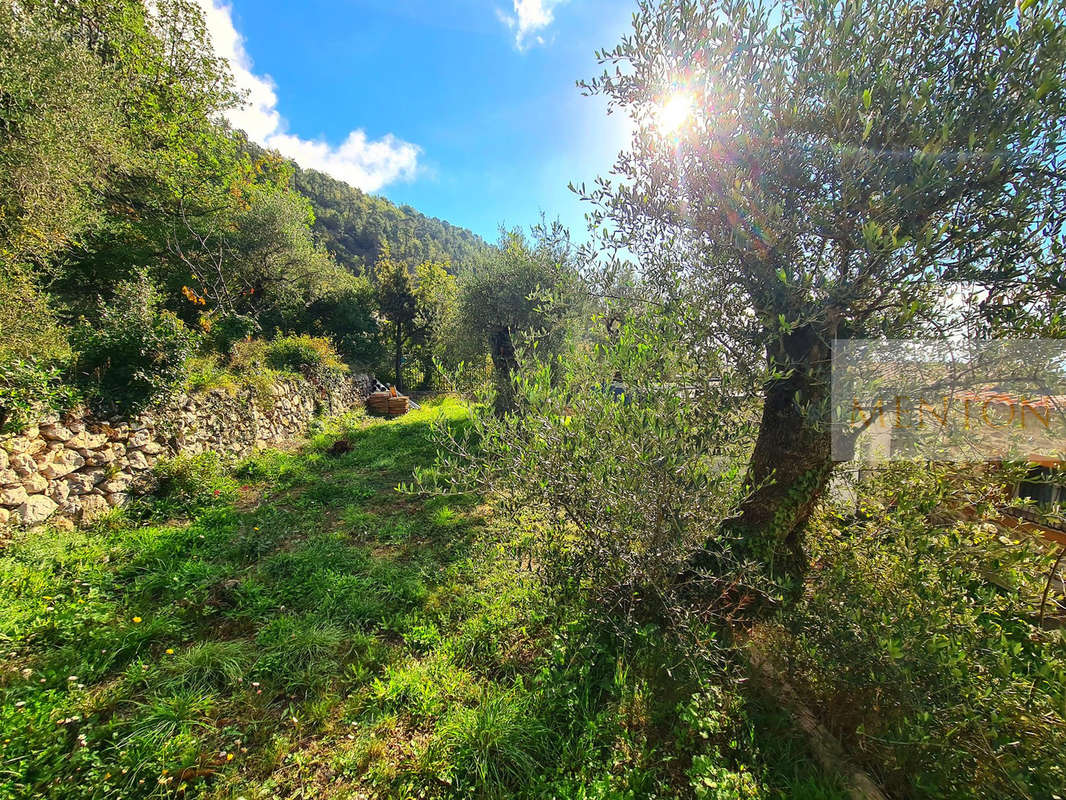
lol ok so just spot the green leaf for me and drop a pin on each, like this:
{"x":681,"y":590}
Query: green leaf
{"x":867,"y":98}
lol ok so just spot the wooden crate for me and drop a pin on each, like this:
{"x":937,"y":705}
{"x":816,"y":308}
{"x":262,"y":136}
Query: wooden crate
{"x":378,"y":403}
{"x":397,"y":406}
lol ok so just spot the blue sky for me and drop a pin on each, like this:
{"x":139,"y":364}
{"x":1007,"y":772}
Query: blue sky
{"x":465,"y":109}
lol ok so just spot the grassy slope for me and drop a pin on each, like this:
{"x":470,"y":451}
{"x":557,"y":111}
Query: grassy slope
{"x":310,"y":631}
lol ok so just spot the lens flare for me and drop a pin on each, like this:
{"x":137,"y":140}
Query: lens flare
{"x":674,"y":113}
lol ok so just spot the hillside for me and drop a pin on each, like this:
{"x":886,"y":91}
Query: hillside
{"x":352,"y":224}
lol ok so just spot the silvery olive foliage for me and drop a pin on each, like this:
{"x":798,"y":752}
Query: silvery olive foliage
{"x":622,"y":454}
{"x":837,"y":170}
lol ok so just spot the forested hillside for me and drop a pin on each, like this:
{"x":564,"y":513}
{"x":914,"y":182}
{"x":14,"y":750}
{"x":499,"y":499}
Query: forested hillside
{"x":352,"y":225}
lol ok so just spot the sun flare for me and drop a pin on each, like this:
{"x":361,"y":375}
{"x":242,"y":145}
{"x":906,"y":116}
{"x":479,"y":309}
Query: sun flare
{"x":673,"y":113}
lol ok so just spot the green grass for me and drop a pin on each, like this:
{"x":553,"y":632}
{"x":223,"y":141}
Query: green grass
{"x":299,"y":628}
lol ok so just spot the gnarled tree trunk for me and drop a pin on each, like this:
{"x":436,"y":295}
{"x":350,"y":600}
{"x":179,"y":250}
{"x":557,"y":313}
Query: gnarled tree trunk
{"x":791,"y":464}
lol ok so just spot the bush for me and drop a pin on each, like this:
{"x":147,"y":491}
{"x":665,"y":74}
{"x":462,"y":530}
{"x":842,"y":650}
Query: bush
{"x":27,"y":388}
{"x":204,"y":373}
{"x":918,"y":639}
{"x":297,"y":353}
{"x":617,"y":483}
{"x":229,"y":329}
{"x":192,"y":483}
{"x":134,"y":354}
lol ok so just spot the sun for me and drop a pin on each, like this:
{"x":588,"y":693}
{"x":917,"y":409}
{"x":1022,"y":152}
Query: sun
{"x":673,"y":113}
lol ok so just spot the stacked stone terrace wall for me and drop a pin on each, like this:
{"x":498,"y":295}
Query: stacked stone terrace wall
{"x":77,"y":467}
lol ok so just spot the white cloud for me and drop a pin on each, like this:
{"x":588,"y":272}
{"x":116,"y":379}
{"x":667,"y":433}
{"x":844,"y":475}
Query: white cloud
{"x":359,"y":161}
{"x":530,"y":16}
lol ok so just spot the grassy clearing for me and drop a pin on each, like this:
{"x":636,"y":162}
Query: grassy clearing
{"x":298,"y":628}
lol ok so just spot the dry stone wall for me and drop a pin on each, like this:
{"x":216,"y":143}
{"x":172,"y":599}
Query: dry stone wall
{"x":77,"y":467}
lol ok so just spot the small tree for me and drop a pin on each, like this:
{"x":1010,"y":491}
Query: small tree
{"x":499,"y":304}
{"x":396,"y":301}
{"x":803,"y":171}
{"x":134,"y":353}
{"x":436,"y":293}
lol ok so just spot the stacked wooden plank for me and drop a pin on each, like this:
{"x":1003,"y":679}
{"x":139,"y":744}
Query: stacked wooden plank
{"x":389,"y":403}
{"x":378,"y":403}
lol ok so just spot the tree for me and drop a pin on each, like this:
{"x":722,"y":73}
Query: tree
{"x":436,"y":292}
{"x":256,"y":259}
{"x":812,"y":171}
{"x":500,"y":305}
{"x":168,"y":91}
{"x":396,"y":301}
{"x":349,"y":314}
{"x":59,"y":117}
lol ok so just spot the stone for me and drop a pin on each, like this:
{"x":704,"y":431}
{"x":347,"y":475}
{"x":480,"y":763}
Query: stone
{"x":5,"y":516}
{"x":35,"y":483}
{"x":8,"y":477}
{"x":75,"y":426}
{"x":139,"y":438}
{"x":152,"y":448}
{"x":119,"y":482}
{"x":101,"y":457}
{"x":136,"y":460}
{"x":36,"y":510}
{"x":56,"y":432}
{"x":91,"y":507}
{"x":62,"y":463}
{"x":3,"y":458}
{"x":58,"y":491}
{"x":13,"y":496}
{"x":87,"y":441}
{"x":79,"y":483}
{"x":83,"y":482}
{"x":24,"y":464}
{"x":115,"y":498}
{"x":16,"y":445}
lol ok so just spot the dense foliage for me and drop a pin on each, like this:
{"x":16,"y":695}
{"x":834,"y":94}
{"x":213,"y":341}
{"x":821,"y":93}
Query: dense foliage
{"x":353,"y":226}
{"x":133,"y":352}
{"x":116,"y":170}
{"x":843,"y":170}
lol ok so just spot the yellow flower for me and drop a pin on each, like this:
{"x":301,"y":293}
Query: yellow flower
{"x":170,"y":651}
{"x":136,"y":619}
{"x":229,"y":756}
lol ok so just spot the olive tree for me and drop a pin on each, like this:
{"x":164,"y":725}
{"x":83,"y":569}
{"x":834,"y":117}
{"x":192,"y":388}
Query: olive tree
{"x":501,"y":302}
{"x":803,"y":171}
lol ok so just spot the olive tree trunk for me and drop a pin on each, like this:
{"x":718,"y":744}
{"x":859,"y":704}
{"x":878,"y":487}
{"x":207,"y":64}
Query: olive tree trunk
{"x":504,"y":364}
{"x":791,"y":463}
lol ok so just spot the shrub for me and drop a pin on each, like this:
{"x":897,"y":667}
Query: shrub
{"x":229,"y":330}
{"x":28,"y":387}
{"x":33,"y":349}
{"x":249,"y":355}
{"x":134,"y":354}
{"x":204,"y":373}
{"x":191,"y":483}
{"x":296,"y":353}
{"x":918,"y":639}
{"x":617,"y":488}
